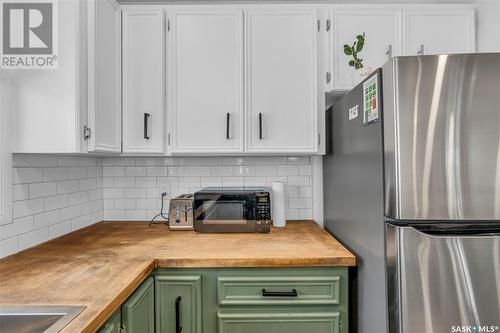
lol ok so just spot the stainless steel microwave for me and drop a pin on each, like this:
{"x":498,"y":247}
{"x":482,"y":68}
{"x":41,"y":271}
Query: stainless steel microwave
{"x":232,"y":209}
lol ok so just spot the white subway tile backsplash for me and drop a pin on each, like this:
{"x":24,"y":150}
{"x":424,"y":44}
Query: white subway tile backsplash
{"x":77,"y":172}
{"x":20,"y":192}
{"x":54,"y":174}
{"x":135,"y":193}
{"x":224,"y":171}
{"x":27,"y":207}
{"x":45,"y":219}
{"x":9,"y":246}
{"x":33,"y":237}
{"x":56,"y":201}
{"x":135,"y":171}
{"x":157,"y":171}
{"x":68,"y":186}
{"x":113,"y":171}
{"x":300,"y":202}
{"x":200,"y":171}
{"x":78,"y":197}
{"x":59,"y":229}
{"x":21,"y":225}
{"x":39,"y":190}
{"x":244,"y":171}
{"x":27,"y":175}
{"x":53,"y":195}
{"x":288,"y":170}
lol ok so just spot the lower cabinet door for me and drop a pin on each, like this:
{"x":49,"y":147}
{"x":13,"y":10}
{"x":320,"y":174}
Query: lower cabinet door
{"x":113,"y":324}
{"x":139,"y":309}
{"x":178,"y":304}
{"x":317,"y":322}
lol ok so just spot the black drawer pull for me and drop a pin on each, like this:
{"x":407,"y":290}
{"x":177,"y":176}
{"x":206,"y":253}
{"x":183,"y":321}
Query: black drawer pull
{"x":178,"y":327}
{"x":292,"y":293}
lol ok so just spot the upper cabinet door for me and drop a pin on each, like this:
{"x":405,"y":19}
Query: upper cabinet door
{"x":439,"y":31}
{"x":382,"y":40}
{"x":281,"y":80}
{"x":143,"y":81}
{"x":207,"y":88}
{"x":104,"y":75}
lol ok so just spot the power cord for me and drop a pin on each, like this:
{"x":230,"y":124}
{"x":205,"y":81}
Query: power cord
{"x":162,"y":214}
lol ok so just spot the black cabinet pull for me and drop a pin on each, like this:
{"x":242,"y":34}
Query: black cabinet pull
{"x":228,"y":116}
{"x":178,"y":327}
{"x":260,"y":126}
{"x":292,"y":293}
{"x":146,"y":117}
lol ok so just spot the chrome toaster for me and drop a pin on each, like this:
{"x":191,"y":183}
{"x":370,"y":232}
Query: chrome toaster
{"x":180,"y":213}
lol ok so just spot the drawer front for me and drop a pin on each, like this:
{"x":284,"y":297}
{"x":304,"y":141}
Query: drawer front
{"x":321,"y":322}
{"x":287,"y":290}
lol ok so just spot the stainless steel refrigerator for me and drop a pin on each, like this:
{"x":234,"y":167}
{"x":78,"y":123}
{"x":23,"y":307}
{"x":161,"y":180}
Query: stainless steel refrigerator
{"x":412,"y":187}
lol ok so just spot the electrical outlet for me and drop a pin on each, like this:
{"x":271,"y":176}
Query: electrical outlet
{"x":164,"y":191}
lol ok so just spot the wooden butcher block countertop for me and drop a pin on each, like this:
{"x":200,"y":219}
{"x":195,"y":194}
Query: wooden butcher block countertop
{"x":101,"y":265}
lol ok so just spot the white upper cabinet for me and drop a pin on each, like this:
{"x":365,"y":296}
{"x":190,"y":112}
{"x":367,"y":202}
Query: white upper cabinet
{"x":439,"y":31}
{"x":382,"y":39}
{"x":207,"y":81}
{"x":281,"y":80}
{"x":143,"y":81}
{"x":49,"y":107}
{"x":104,"y":75}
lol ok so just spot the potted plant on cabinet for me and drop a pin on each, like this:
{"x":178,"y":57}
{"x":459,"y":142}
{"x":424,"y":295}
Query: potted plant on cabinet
{"x":353,"y":51}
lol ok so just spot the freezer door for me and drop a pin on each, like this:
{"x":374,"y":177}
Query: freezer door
{"x":442,"y":137}
{"x":440,"y":280}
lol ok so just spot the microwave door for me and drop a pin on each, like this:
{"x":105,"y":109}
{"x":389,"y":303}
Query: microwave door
{"x":225,"y":212}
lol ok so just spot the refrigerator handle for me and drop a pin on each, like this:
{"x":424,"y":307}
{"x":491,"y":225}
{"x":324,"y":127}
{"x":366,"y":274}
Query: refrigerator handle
{"x":459,"y":230}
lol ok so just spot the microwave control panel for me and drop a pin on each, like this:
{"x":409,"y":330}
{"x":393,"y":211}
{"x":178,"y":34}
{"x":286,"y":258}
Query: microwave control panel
{"x":263,"y":212}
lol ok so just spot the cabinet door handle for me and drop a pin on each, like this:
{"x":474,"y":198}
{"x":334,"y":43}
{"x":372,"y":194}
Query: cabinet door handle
{"x":421,"y":50}
{"x":260,"y":126}
{"x":146,"y":117}
{"x":292,"y":293}
{"x":228,"y":117}
{"x":388,"y":53}
{"x":178,"y":327}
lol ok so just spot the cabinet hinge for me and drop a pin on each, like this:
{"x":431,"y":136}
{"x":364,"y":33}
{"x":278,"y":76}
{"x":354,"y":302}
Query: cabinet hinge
{"x":328,"y":77}
{"x":341,"y":324}
{"x":122,"y":329}
{"x":86,"y":132}
{"x":168,"y":25}
{"x":319,"y":25}
{"x":328,"y":25}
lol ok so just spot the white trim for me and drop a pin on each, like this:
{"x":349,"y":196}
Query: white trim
{"x":5,"y":157}
{"x":317,"y":189}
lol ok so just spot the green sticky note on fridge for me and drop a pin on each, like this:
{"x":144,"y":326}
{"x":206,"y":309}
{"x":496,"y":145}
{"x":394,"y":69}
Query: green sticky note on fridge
{"x":370,"y":102}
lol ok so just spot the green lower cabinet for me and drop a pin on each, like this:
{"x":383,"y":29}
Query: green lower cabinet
{"x":324,"y":322}
{"x":113,"y":324}
{"x":251,"y":300}
{"x":237,"y":300}
{"x":139,"y":309}
{"x":178,"y":304}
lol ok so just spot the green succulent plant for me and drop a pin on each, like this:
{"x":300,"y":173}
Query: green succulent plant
{"x":354,"y":50}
